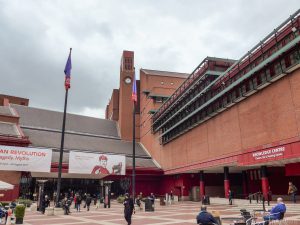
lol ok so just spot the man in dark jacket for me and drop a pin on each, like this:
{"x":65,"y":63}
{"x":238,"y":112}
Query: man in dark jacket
{"x":88,"y":202}
{"x":47,"y":201}
{"x":66,"y":206}
{"x":43,"y":205}
{"x":205,"y":218}
{"x":128,"y":208}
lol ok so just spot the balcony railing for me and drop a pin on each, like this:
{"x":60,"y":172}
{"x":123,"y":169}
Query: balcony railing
{"x":275,"y":56}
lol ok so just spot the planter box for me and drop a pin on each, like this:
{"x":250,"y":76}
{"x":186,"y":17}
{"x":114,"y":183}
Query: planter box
{"x":19,"y":220}
{"x":33,"y":207}
{"x":58,"y":211}
{"x":49,"y":211}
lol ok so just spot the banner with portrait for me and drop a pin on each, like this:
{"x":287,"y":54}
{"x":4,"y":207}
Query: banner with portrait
{"x":25,"y":159}
{"x":91,"y":163}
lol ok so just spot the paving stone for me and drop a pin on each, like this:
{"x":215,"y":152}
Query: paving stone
{"x":180,"y":214}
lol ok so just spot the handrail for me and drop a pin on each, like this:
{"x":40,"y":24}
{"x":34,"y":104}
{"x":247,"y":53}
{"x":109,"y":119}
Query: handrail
{"x":201,"y":65}
{"x":258,"y":196}
{"x":256,"y":193}
{"x":193,"y":78}
{"x":183,"y":107}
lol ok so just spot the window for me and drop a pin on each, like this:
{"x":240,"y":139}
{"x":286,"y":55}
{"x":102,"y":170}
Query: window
{"x":158,"y":100}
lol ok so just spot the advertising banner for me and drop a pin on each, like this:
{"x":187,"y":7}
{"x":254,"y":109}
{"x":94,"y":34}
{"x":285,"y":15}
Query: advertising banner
{"x":91,"y":163}
{"x":25,"y":159}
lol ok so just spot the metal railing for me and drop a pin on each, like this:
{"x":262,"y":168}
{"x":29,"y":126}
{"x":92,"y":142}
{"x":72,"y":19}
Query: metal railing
{"x":265,"y":44}
{"x":237,"y":66}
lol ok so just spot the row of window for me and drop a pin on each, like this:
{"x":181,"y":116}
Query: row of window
{"x":176,"y":126}
{"x":238,"y":71}
{"x":207,"y":64}
{"x":207,"y":79}
{"x":128,"y":63}
{"x":244,"y":67}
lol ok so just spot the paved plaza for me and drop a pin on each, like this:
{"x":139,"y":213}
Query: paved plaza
{"x":179,"y":213}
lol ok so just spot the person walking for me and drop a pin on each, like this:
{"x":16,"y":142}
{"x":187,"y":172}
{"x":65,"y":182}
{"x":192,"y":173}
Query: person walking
{"x":292,"y":191}
{"x":152,"y":199}
{"x":88,"y":201}
{"x":75,"y":202}
{"x":47,"y":201}
{"x":65,"y":206}
{"x":139,"y":200}
{"x":171,"y":197}
{"x":78,"y":202}
{"x":230,"y":196}
{"x":43,"y":205}
{"x":98,"y":201}
{"x":128,"y":208}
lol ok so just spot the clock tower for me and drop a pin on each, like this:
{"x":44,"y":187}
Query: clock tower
{"x":126,"y":104}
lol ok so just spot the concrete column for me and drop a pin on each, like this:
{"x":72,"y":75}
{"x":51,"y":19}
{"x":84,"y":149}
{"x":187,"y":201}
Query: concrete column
{"x":226,"y":181}
{"x":245,"y":184}
{"x":264,"y":181}
{"x":202,"y":186}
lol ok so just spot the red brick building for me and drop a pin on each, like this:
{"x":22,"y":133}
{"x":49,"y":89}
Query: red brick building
{"x":230,"y":124}
{"x":11,"y":134}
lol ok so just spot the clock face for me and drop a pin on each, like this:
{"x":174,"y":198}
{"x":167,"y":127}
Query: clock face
{"x":127,"y":80}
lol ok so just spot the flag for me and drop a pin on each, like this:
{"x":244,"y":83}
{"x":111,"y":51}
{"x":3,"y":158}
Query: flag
{"x":134,"y":92}
{"x":68,"y":71}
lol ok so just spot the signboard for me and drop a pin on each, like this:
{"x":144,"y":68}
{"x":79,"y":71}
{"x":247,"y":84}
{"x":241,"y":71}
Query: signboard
{"x":90,"y":163}
{"x":268,"y":155}
{"x":25,"y":159}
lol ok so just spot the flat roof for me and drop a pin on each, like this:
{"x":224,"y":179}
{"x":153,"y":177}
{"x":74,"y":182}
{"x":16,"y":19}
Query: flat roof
{"x":165,"y":73}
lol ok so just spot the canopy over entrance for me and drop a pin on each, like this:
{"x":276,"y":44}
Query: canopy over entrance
{"x":6,"y":186}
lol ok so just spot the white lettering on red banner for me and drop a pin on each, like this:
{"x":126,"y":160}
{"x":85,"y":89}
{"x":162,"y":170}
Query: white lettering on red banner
{"x":270,"y":153}
{"x":90,"y":163}
{"x":25,"y":159}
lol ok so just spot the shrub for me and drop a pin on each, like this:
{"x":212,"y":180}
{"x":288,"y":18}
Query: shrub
{"x":121,"y":199}
{"x":26,"y":202}
{"x":3,"y":204}
{"x":20,"y":211}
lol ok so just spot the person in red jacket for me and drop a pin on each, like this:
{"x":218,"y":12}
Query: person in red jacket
{"x":101,"y":169}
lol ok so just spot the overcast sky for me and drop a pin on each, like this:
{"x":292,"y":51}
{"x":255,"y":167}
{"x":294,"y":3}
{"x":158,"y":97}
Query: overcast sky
{"x":35,"y":37}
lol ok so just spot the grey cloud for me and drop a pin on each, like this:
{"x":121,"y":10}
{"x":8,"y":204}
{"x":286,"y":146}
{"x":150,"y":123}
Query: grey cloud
{"x":168,"y":35}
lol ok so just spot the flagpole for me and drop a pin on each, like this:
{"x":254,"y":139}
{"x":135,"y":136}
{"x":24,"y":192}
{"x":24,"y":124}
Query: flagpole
{"x":61,"y":151}
{"x":134,"y":98}
{"x":133,"y":154}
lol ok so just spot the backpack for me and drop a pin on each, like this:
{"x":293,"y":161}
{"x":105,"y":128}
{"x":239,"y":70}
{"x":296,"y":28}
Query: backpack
{"x":295,"y":189}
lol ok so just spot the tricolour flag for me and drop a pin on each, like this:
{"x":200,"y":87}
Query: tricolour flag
{"x":68,"y":72}
{"x":134,"y":92}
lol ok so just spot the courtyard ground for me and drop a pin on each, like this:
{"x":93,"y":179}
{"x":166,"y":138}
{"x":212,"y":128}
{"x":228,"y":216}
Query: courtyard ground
{"x":179,"y":214}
